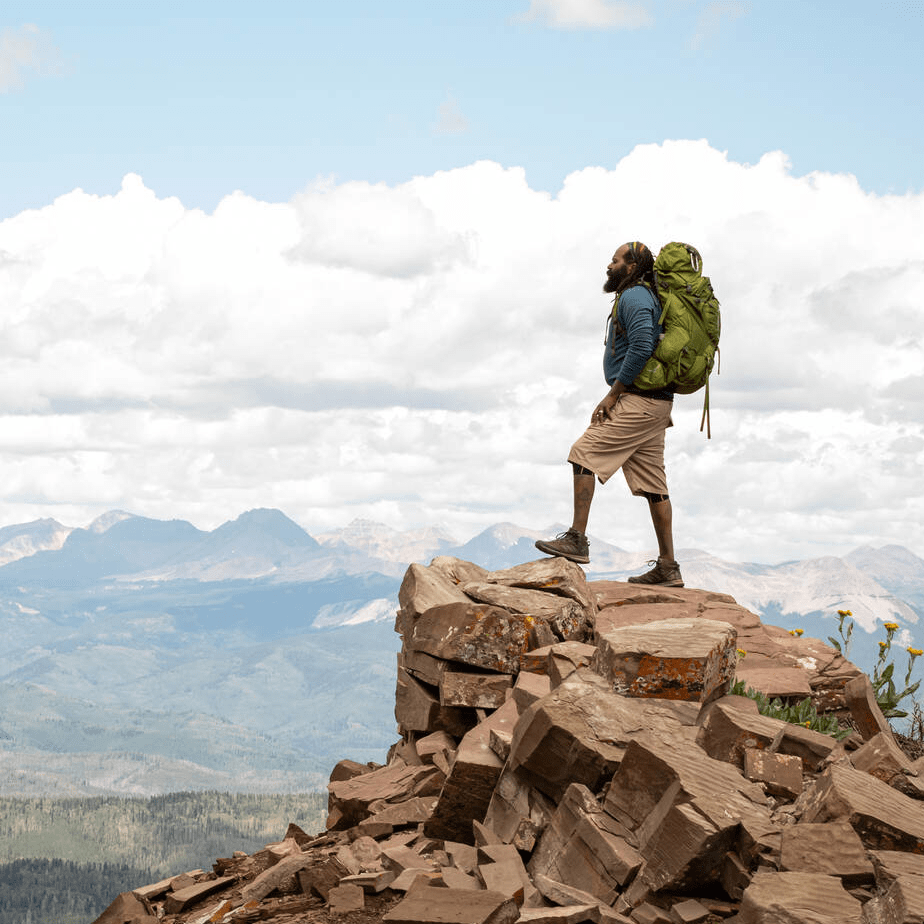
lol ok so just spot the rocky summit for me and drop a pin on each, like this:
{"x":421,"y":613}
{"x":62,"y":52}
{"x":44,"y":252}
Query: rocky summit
{"x":569,"y":752}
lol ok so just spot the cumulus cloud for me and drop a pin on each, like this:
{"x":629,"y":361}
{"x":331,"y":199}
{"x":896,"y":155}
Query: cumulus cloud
{"x":425,"y":353}
{"x":589,"y":14}
{"x":23,"y":52}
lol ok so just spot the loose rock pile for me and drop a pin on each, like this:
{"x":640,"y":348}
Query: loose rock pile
{"x":569,"y":753}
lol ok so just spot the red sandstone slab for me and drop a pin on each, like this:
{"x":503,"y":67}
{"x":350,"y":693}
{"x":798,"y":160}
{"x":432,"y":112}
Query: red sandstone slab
{"x":782,"y":682}
{"x":181,"y":900}
{"x":396,"y":783}
{"x":466,"y":794}
{"x":474,"y":634}
{"x":831,"y":848}
{"x":579,"y":732}
{"x":883,"y":817}
{"x":428,"y":905}
{"x":686,"y":659}
{"x":578,"y":847}
{"x":781,"y":774}
{"x":529,"y":687}
{"x":478,"y":691}
{"x":552,"y":575}
{"x":686,"y":809}
{"x":798,"y":897}
{"x":726,"y":732}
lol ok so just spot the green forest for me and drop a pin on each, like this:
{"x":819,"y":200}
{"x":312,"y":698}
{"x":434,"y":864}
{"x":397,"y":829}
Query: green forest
{"x":60,"y":891}
{"x":62,"y":861}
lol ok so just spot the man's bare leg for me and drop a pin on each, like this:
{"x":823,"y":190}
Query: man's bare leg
{"x":666,"y":571}
{"x":662,"y":518}
{"x":583,"y":495}
{"x":572,"y":543}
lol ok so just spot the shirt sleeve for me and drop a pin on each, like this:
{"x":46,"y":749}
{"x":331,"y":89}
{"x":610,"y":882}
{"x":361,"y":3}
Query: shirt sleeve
{"x":637,"y":320}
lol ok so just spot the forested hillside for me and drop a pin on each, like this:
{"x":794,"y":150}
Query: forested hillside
{"x":60,"y":891}
{"x":63,"y":860}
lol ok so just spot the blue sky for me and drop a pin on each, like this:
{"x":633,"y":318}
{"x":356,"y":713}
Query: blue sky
{"x":345,"y":259}
{"x":204,"y":98}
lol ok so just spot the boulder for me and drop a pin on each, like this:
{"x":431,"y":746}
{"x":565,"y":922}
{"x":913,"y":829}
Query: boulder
{"x":517,"y":812}
{"x":798,"y":898}
{"x":867,"y":716}
{"x":579,"y":733}
{"x":687,"y":659}
{"x":780,"y":774}
{"x":685,"y":809}
{"x":457,"y":570}
{"x":350,"y":799}
{"x":552,"y":575}
{"x":902,"y":902}
{"x":832,"y":848}
{"x":124,"y":907}
{"x":727,"y":732}
{"x":882,"y":758}
{"x":474,"y":634}
{"x":775,"y":682}
{"x":467,"y":792}
{"x":418,"y":709}
{"x":422,"y":589}
{"x":584,"y":847}
{"x":883,"y":817}
{"x":567,"y":618}
{"x":529,"y":687}
{"x":478,"y":691}
{"x":424,"y":904}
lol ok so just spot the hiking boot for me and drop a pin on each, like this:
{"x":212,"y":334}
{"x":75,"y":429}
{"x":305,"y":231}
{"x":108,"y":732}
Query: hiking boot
{"x":570,"y":544}
{"x":666,"y":573}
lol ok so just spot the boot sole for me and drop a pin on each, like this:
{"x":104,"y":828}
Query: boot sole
{"x":579,"y":559}
{"x":656,"y":583}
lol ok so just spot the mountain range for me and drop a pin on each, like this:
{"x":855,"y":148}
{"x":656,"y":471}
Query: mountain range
{"x":144,"y":656}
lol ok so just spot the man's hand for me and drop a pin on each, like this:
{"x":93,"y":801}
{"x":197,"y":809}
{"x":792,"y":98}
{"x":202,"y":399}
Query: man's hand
{"x":604,"y":410}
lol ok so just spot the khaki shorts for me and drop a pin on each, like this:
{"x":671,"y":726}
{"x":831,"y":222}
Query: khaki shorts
{"x":633,"y":441}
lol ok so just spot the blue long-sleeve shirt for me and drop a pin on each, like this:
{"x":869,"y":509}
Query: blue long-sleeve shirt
{"x":625,"y":355}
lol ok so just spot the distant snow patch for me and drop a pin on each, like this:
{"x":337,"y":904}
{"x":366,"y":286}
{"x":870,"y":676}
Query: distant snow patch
{"x":354,"y":612}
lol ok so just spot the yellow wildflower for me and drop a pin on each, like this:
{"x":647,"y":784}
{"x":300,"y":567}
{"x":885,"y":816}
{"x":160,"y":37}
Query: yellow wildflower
{"x":844,"y":613}
{"x":742,"y":653}
{"x":914,"y":652}
{"x":890,"y":625}
{"x":883,"y":644}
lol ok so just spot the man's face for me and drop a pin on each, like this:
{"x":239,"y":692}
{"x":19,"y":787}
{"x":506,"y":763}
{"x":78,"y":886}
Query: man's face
{"x":618,"y":270}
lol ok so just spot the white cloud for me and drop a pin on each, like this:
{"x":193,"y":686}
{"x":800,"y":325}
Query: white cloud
{"x":426,"y":353}
{"x":589,"y":14}
{"x":23,"y":51}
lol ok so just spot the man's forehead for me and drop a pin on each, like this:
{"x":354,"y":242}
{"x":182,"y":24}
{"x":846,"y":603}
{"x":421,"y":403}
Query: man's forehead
{"x":621,"y":251}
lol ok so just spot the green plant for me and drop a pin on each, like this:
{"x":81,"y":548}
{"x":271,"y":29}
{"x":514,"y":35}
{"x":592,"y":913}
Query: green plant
{"x":843,"y":646}
{"x":801,"y":713}
{"x":887,"y":695}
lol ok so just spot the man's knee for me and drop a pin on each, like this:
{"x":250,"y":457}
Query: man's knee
{"x":654,"y":498}
{"x":580,"y":470}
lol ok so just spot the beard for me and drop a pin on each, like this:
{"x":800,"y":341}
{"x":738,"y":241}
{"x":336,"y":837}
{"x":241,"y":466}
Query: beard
{"x":616,"y":280}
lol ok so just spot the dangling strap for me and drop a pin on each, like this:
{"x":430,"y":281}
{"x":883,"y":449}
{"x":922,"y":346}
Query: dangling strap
{"x":706,"y":419}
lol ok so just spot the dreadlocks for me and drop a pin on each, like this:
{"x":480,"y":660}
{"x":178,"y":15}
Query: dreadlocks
{"x":643,"y":265}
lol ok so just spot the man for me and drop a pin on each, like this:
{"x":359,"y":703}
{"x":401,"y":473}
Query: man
{"x":627,"y":427}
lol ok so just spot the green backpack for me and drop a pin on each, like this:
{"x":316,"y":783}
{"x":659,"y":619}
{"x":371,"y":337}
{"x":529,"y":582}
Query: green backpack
{"x":690,"y":314}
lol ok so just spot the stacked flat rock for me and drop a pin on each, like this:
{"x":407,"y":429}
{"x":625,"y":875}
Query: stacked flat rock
{"x":569,"y":752}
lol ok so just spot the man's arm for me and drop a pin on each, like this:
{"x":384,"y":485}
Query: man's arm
{"x":603,"y":411}
{"x":638,"y":323}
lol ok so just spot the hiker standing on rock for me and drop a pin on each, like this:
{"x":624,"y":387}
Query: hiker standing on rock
{"x":627,"y":427}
